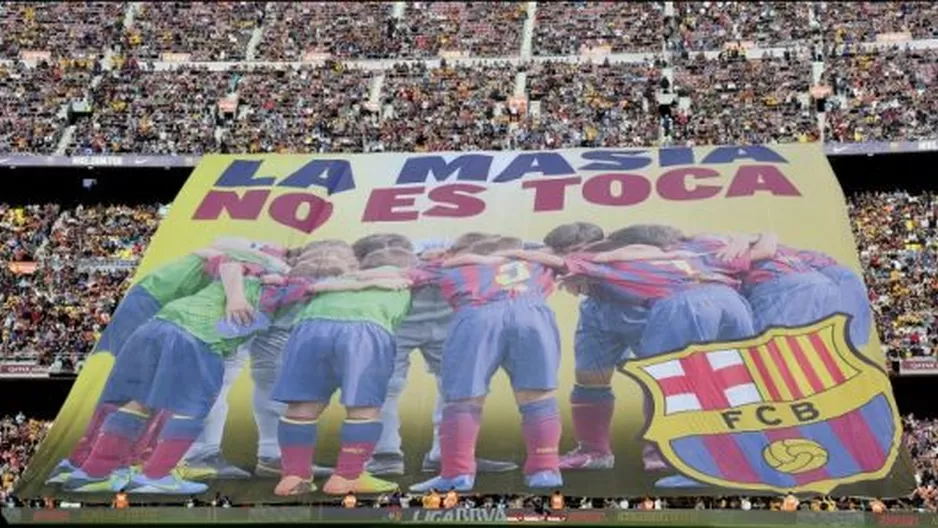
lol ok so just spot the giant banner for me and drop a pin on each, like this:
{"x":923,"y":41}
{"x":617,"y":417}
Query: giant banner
{"x":604,"y":322}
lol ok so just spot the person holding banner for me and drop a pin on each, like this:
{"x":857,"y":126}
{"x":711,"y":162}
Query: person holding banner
{"x":450,"y":500}
{"x":557,"y":502}
{"x":349,"y":501}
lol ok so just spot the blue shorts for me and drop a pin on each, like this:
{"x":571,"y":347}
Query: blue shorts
{"x":136,"y":308}
{"x":796,"y":299}
{"x":166,"y":367}
{"x":605,"y":332}
{"x":519,"y":335}
{"x":703,"y":314}
{"x":855,"y":301}
{"x":323,"y":355}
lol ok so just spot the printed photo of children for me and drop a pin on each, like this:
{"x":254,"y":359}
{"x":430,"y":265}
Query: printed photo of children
{"x":333,"y":317}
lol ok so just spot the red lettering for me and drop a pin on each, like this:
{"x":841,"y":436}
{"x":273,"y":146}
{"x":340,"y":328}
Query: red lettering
{"x":286,"y":210}
{"x":633,"y":189}
{"x":247,"y":207}
{"x":673,"y":185}
{"x":463,"y":200}
{"x":752,"y":178}
{"x":549,"y":195}
{"x":457,"y":195}
{"x":384,"y":205}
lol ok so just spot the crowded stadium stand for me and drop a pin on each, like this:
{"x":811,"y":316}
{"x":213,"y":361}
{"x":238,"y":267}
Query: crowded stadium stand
{"x":679,"y":73}
{"x":86,"y":79}
{"x":588,"y":104}
{"x":307,"y":109}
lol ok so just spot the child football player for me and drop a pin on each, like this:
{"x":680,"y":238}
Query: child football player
{"x":424,"y":328}
{"x":783,"y":285}
{"x":180,"y":278}
{"x":854,"y":296}
{"x":341,"y":340}
{"x":688,"y":294}
{"x":501,"y":321}
{"x":698,"y":292}
{"x":204,"y":459}
{"x":175,"y":364}
{"x":784,"y":290}
{"x":606,"y":331}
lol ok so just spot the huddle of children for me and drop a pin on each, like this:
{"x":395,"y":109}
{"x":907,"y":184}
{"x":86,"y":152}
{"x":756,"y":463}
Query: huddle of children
{"x":648,"y":289}
{"x":188,"y":317}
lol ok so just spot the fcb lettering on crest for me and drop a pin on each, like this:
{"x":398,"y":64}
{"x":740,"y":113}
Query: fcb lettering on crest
{"x":793,"y":409}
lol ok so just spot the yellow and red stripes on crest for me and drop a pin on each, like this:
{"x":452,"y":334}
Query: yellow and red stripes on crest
{"x":794,"y":367}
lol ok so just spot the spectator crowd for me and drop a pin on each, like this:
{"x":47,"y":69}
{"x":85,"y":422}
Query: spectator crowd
{"x":590,"y":105}
{"x":279,"y":31}
{"x":897,"y":240}
{"x":88,"y":83}
{"x":885,"y":96}
{"x":744,"y":102}
{"x":19,"y":438}
{"x":54,"y":312}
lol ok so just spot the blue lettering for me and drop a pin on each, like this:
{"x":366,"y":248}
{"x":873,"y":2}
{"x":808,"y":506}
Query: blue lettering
{"x":468,"y":167}
{"x":616,"y":160}
{"x":333,"y":175}
{"x":753,"y":152}
{"x":669,"y":157}
{"x":240,"y":173}
{"x":546,"y":163}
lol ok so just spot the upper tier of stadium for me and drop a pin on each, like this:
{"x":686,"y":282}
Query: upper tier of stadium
{"x":190,"y":78}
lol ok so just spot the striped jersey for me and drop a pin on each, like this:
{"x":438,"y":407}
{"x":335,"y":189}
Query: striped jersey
{"x":647,"y":280}
{"x":481,"y":284}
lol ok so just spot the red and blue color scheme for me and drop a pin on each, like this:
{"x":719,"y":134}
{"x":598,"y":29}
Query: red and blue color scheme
{"x":479,"y":284}
{"x":774,"y":413}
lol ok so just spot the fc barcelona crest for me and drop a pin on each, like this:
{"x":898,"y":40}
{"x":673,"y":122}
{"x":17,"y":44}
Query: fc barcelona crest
{"x":793,"y":409}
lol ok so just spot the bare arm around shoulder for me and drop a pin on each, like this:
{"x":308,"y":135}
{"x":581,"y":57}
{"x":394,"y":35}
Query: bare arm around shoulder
{"x":765,"y":247}
{"x":237,"y":307}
